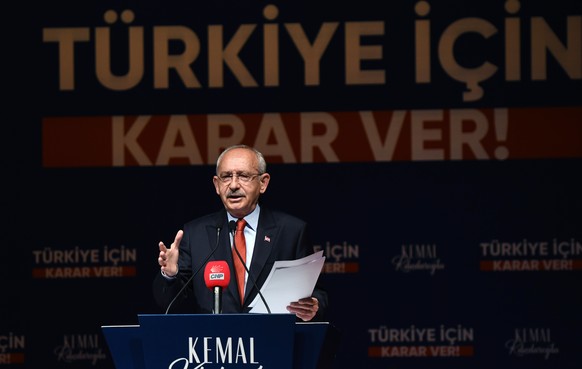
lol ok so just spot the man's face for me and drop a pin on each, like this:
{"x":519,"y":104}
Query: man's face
{"x":238,"y":182}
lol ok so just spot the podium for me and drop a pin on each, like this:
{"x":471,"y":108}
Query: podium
{"x":221,"y":341}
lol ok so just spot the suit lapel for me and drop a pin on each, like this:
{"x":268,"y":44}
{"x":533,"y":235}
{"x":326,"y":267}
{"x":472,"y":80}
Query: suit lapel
{"x":265,"y":241}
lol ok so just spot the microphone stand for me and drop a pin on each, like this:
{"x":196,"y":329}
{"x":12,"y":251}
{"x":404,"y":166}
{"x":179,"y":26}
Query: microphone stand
{"x":217,"y":294}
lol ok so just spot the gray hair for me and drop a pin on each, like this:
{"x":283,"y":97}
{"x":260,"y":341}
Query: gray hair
{"x":260,"y":158}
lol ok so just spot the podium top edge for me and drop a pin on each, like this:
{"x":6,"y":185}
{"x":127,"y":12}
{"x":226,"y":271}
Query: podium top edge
{"x":312,"y":323}
{"x":235,"y":314}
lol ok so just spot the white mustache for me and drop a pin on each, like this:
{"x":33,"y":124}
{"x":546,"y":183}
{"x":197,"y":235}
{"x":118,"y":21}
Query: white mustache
{"x":235,"y":194}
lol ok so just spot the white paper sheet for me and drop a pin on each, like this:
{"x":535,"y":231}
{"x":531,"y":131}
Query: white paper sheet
{"x":289,"y":281}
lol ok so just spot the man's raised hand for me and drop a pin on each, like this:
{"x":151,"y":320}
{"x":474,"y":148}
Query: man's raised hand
{"x":168,"y":258}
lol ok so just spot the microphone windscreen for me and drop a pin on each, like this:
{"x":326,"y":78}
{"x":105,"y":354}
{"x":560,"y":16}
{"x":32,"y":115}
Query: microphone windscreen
{"x":231,"y":226}
{"x":217,"y":274}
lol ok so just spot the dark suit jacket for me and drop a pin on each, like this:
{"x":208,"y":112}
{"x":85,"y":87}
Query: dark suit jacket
{"x":280,"y":236}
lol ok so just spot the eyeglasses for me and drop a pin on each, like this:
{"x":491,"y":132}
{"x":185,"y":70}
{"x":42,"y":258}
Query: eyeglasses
{"x":243,"y":177}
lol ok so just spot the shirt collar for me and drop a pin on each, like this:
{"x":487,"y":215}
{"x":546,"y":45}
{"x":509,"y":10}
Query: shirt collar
{"x":252,"y":219}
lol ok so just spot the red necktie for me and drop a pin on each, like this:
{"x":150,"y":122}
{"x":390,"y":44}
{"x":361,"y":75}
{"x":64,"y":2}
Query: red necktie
{"x":241,"y":246}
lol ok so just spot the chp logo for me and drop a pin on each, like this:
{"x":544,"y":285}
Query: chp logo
{"x":341,"y":258}
{"x":216,"y":272}
{"x":417,"y":258}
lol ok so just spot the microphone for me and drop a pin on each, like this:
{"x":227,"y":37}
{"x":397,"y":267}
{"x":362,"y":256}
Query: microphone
{"x":232,"y":229}
{"x":217,"y":277}
{"x":218,"y":228}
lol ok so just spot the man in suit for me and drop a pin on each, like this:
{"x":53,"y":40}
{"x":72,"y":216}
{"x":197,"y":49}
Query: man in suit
{"x":270,"y":235}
